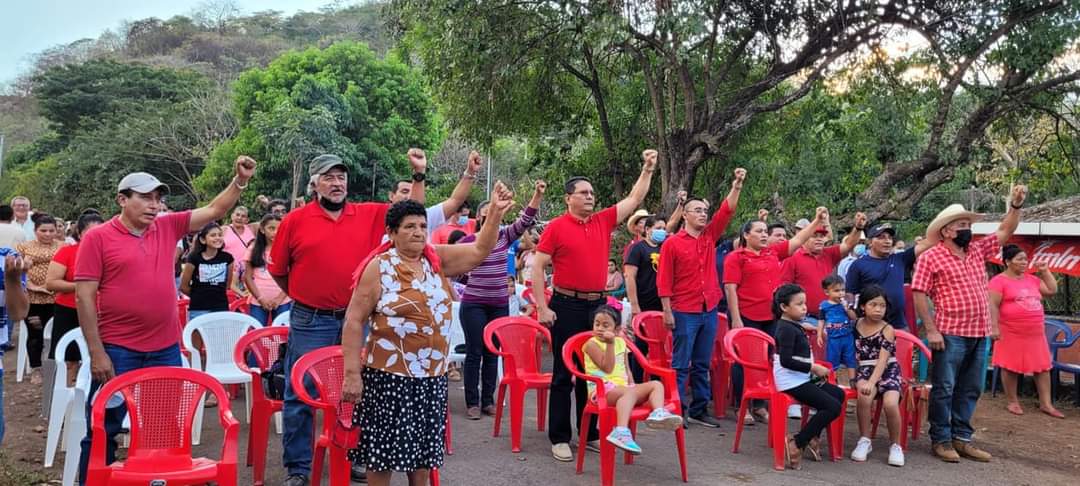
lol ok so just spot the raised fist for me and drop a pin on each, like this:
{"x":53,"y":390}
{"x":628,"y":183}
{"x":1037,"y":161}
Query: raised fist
{"x":649,"y":156}
{"x":418,"y":160}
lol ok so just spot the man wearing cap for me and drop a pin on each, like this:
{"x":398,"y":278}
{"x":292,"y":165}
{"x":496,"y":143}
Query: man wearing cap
{"x":577,"y":245}
{"x":124,"y":286}
{"x":952,"y":273}
{"x":316,"y":249}
{"x":881,"y":266}
{"x":809,"y":265}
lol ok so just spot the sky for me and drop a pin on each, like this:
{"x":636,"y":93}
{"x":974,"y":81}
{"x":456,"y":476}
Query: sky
{"x":31,"y":26}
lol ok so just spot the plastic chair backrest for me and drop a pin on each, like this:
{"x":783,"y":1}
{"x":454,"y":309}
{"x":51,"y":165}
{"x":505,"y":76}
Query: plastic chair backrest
{"x":220,"y":332}
{"x":263,"y":345}
{"x":905,"y":353}
{"x":457,"y":332}
{"x":74,"y":336}
{"x":909,"y":310}
{"x":282,"y":319}
{"x":324,"y":368}
{"x":1055,"y":328}
{"x":573,"y":355}
{"x":750,"y":348}
{"x":518,"y":344}
{"x":649,"y":327}
{"x":161,"y":403}
{"x":819,"y":351}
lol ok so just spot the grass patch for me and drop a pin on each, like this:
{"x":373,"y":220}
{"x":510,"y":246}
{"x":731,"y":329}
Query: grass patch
{"x":15,"y":473}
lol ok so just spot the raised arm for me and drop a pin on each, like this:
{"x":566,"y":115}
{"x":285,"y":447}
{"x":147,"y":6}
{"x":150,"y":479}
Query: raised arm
{"x":852,"y":237}
{"x":1048,"y":284}
{"x":418,"y":162}
{"x":527,"y":218}
{"x":461,"y":190}
{"x":1012,"y":215}
{"x":821,"y":217}
{"x":245,"y":169}
{"x":640,"y":189}
{"x":736,"y":188}
{"x":676,"y":216}
{"x":361,"y":305}
{"x":461,"y":258}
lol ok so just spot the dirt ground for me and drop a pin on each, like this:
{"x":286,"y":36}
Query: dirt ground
{"x":1032,"y":449}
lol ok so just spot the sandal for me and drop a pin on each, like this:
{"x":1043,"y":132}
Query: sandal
{"x":794,"y":457}
{"x":1053,"y":412}
{"x":1015,"y":409}
{"x":211,"y":401}
{"x":761,"y":415}
{"x":814,"y":448}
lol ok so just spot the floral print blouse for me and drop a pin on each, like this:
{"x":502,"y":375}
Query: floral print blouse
{"x":411,"y":320}
{"x":40,"y":255}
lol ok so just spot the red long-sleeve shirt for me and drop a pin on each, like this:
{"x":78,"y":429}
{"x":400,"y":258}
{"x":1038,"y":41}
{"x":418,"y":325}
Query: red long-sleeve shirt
{"x":687,"y":272}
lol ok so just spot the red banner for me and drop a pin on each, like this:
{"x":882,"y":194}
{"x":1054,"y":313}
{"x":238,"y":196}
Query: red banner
{"x":1062,"y":254}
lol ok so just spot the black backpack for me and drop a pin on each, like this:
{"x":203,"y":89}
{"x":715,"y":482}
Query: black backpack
{"x":274,"y":378}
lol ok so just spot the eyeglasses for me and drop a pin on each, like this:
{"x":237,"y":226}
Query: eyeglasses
{"x":698,"y":211}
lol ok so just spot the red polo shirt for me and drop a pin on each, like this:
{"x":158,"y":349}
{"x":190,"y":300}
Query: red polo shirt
{"x":66,"y":257}
{"x":319,"y":253}
{"x":757,"y":276}
{"x":807,"y":271}
{"x":687,"y":272}
{"x":136,"y":288}
{"x":579,"y":249}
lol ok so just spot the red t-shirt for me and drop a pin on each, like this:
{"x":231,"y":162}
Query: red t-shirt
{"x":137,"y":290}
{"x":66,"y":257}
{"x":319,"y":253}
{"x":441,"y":236}
{"x":807,"y":271}
{"x":687,"y":272}
{"x":579,"y":250}
{"x":757,"y":276}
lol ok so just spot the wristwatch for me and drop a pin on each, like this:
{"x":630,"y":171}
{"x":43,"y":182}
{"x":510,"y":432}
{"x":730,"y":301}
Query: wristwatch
{"x":418,"y":177}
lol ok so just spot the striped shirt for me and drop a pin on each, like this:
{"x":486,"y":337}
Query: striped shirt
{"x":487,"y":282}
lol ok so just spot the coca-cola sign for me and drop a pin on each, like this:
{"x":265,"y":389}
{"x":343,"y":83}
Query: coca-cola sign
{"x":1062,"y":255}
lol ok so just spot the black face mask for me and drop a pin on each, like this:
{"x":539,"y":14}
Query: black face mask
{"x":329,"y":205}
{"x":963,"y":238}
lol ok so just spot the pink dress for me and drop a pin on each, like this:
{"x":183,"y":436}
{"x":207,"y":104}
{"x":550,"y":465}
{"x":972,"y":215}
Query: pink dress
{"x":1022,"y":347}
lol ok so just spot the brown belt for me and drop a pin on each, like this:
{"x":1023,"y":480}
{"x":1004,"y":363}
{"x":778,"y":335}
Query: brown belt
{"x":580,"y":295}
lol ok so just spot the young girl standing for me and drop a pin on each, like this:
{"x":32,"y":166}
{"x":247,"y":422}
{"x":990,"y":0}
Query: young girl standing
{"x":878,"y":376}
{"x":606,"y":357}
{"x":208,"y":273}
{"x":266,"y":300}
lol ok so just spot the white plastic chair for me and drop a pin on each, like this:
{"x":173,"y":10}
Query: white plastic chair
{"x":75,"y":420}
{"x":457,"y":336}
{"x":220,"y":331}
{"x":281,"y":320}
{"x":62,"y":395}
{"x":23,"y":357}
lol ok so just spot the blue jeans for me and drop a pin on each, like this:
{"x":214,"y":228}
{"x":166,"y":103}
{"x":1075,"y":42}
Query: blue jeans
{"x":1,"y":402}
{"x":958,"y":372}
{"x":123,"y":361}
{"x":307,"y":331}
{"x":694,"y":334}
{"x":266,"y":317}
{"x":481,"y":366}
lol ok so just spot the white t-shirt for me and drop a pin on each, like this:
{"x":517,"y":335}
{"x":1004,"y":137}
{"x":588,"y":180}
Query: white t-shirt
{"x":435,"y":218}
{"x":787,"y":379}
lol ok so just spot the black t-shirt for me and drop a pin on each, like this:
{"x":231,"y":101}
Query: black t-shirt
{"x":647,"y":259}
{"x":209,"y":280}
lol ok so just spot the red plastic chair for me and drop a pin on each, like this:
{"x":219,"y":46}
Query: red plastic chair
{"x":262,"y":345}
{"x":720,"y":369}
{"x":521,"y":353}
{"x":241,"y":305}
{"x":649,"y":326}
{"x":572,"y":354}
{"x":916,"y":395}
{"x":909,"y":310}
{"x":527,"y":294}
{"x":750,"y":348}
{"x":161,"y":402}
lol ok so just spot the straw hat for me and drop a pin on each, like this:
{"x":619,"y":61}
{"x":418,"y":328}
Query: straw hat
{"x":641,"y":213}
{"x":946,"y":216}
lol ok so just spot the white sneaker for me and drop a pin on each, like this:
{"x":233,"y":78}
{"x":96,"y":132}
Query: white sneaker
{"x":896,"y":455}
{"x":561,"y":452}
{"x":862,"y":449}
{"x":794,"y":412}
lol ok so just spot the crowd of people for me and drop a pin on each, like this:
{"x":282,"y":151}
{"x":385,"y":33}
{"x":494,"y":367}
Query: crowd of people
{"x":379,"y":278}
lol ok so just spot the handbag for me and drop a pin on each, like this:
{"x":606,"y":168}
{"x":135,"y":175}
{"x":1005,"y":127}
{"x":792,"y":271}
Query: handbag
{"x":345,"y":434}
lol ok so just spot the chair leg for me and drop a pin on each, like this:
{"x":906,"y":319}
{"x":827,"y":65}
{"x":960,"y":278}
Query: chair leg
{"x":778,"y":405}
{"x":23,"y":357}
{"x":247,"y":401}
{"x":279,"y":422}
{"x":541,"y":408}
{"x":904,"y":421}
{"x":499,"y":403}
{"x":517,"y":415}
{"x":607,"y":450}
{"x":680,"y":443}
{"x":433,"y":477}
{"x":449,"y":433}
{"x":739,"y":425}
{"x":59,"y":407}
{"x":628,"y":458}
{"x":257,"y":442}
{"x":317,"y":465}
{"x":74,"y":431}
{"x":836,"y":434}
{"x":339,"y":466}
{"x":583,"y":432}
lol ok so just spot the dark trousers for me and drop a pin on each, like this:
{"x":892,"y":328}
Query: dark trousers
{"x":123,"y":360}
{"x":481,"y":365}
{"x":826,"y":398}
{"x":768,"y":327}
{"x":571,"y":317}
{"x":36,"y":318}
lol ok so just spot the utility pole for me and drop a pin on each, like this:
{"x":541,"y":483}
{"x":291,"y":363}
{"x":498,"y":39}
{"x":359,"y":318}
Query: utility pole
{"x":1,"y":155}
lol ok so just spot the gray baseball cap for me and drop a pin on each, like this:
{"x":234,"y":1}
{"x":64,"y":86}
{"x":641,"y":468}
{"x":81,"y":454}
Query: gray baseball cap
{"x":142,"y":183}
{"x":323,"y":163}
{"x":802,"y":223}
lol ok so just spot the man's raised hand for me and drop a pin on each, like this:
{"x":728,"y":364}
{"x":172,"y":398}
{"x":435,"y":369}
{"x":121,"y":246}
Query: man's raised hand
{"x":418,"y":160}
{"x":740,"y":176}
{"x":649,"y":157}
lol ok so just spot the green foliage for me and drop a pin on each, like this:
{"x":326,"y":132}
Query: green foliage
{"x":340,"y":100}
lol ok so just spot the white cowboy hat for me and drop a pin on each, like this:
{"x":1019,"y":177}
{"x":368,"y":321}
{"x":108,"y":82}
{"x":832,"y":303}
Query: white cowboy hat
{"x":946,"y":216}
{"x":641,"y":213}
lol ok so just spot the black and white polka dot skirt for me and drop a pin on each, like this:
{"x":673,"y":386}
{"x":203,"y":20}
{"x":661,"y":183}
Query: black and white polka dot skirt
{"x":402,"y":422}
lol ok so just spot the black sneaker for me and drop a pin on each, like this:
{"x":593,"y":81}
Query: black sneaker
{"x":296,"y":480}
{"x":705,"y":420}
{"x":358,"y":474}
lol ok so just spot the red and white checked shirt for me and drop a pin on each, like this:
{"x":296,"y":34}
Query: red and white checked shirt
{"x":958,"y":286}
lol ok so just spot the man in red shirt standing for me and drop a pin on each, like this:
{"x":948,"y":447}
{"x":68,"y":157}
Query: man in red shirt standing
{"x":689,"y":290}
{"x":314,"y":254}
{"x":952,"y":272}
{"x":577,"y":245}
{"x":809,"y":265}
{"x":125,"y":266}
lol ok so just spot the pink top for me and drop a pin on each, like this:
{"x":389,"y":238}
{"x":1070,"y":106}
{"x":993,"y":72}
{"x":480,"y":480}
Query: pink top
{"x":1021,"y":303}
{"x":137,"y":291}
{"x":263,"y":281}
{"x":237,"y":242}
